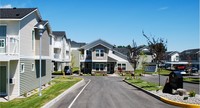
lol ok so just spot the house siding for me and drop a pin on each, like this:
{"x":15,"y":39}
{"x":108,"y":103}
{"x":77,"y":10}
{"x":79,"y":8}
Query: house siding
{"x":45,"y":44}
{"x":27,"y":25}
{"x":76,"y":58}
{"x":29,"y":80}
{"x":94,"y":57}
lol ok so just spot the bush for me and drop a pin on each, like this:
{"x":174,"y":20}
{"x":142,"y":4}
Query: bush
{"x":192,"y":93}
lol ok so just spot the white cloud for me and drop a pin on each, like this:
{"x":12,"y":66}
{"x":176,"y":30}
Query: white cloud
{"x":6,"y":6}
{"x":163,"y":8}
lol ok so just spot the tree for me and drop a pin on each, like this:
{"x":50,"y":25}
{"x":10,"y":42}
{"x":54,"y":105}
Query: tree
{"x":133,"y":57}
{"x":157,"y":47}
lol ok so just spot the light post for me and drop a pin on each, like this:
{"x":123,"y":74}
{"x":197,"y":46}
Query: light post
{"x":40,"y":30}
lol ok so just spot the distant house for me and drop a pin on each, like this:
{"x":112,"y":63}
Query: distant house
{"x":19,"y":51}
{"x":100,"y":56}
{"x":171,"y":56}
{"x":144,"y":56}
{"x":61,"y":50}
{"x":192,"y":56}
{"x":75,"y":54}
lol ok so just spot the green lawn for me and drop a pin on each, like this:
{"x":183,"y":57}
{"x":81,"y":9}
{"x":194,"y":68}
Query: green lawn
{"x":143,"y":84}
{"x":59,"y":85}
{"x":192,"y":80}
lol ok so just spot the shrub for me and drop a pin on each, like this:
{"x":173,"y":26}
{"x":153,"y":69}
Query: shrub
{"x":192,"y":93}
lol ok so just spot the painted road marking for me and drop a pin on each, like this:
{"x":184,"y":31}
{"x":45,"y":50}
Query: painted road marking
{"x":78,"y":95}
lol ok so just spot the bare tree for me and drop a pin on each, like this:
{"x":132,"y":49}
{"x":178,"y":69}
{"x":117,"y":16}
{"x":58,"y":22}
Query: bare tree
{"x":133,"y":54}
{"x":157,"y":47}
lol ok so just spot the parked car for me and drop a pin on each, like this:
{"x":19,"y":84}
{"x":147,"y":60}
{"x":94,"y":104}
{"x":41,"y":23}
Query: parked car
{"x":67,"y":70}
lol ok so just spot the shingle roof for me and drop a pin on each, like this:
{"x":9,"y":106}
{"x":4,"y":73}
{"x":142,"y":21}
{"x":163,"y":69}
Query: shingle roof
{"x":15,"y":13}
{"x":124,"y":51}
{"x":76,"y":44}
{"x":191,"y":51}
{"x":59,"y":33}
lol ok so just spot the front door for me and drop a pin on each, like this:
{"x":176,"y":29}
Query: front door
{"x":3,"y":81}
{"x":110,"y":68}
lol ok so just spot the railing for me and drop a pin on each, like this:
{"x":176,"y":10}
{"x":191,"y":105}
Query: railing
{"x":57,"y":44}
{"x":57,"y":56}
{"x":11,"y":46}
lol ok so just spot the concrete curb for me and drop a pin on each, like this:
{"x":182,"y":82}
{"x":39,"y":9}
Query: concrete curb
{"x":180,"y":104}
{"x":50,"y":103}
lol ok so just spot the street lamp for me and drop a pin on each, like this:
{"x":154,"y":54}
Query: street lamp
{"x":40,"y":30}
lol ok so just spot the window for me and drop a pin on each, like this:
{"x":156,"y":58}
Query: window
{"x":2,"y":31}
{"x":177,"y":58}
{"x":33,"y":39}
{"x":50,"y":39}
{"x":99,"y":66}
{"x":99,"y":52}
{"x":121,"y":66}
{"x":102,"y":52}
{"x":2,"y":43}
{"x":32,"y":67}
{"x":22,"y":67}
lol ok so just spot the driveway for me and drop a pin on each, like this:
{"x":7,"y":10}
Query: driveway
{"x":155,"y":79}
{"x":112,"y":92}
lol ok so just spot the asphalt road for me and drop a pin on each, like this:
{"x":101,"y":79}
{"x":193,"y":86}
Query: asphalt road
{"x":112,"y":92}
{"x":155,"y":79}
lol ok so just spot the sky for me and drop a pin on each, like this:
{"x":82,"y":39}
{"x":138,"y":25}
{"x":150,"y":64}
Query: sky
{"x":119,"y":22}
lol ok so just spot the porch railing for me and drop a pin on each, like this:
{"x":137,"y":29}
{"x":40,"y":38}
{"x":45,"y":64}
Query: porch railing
{"x":11,"y":46}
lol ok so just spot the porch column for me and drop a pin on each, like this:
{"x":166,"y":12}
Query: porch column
{"x":8,"y":80}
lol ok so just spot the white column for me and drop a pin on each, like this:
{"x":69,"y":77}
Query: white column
{"x":8,"y":80}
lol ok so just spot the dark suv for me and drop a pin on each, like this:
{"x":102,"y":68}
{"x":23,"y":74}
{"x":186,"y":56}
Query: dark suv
{"x":67,"y":70}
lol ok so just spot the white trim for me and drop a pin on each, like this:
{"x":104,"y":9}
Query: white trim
{"x":29,"y":14}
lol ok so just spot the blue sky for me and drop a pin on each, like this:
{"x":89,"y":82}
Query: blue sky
{"x":120,"y":21}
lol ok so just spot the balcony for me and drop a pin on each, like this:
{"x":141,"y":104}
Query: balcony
{"x":57,"y":56}
{"x":9,"y":48}
{"x":57,"y":44}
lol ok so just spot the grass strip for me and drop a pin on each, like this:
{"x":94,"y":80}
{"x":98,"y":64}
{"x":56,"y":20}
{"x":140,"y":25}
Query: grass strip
{"x":60,"y":84}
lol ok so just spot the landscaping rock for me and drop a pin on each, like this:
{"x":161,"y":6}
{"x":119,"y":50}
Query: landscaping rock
{"x":181,"y":92}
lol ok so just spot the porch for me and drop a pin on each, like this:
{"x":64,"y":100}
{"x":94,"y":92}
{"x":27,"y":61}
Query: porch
{"x":9,"y":83}
{"x":98,"y":67}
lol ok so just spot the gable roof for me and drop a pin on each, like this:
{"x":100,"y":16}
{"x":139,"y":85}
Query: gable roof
{"x":15,"y":13}
{"x":59,"y":34}
{"x":124,"y":51}
{"x":76,"y":44}
{"x":170,"y":53}
{"x":97,"y":42}
{"x":105,"y":44}
{"x":191,"y":51}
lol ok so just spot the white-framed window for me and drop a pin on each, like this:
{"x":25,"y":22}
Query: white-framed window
{"x":32,"y":66}
{"x":121,"y":66}
{"x":99,"y":66}
{"x":33,"y":40}
{"x":22,"y":67}
{"x":2,"y":43}
{"x":99,"y":52}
